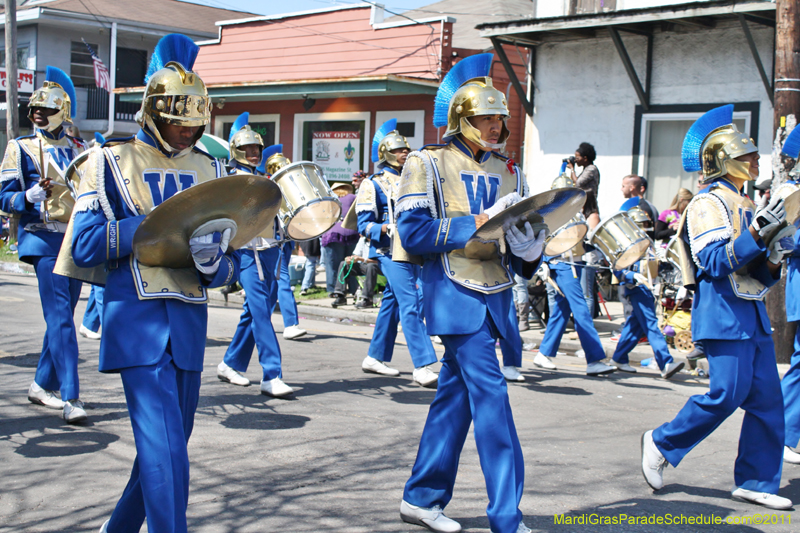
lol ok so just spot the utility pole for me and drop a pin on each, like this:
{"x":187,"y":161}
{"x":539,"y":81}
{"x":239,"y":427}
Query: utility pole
{"x":12,"y":111}
{"x":786,"y":114}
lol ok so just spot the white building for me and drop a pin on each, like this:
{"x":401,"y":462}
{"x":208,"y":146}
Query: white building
{"x":684,"y":59}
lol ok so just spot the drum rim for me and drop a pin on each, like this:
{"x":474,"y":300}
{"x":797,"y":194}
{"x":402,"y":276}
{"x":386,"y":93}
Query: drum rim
{"x":600,"y":224}
{"x":615,"y":267}
{"x":285,"y":169}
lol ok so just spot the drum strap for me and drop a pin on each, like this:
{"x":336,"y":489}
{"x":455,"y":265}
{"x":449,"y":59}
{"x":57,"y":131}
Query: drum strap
{"x":390,"y":207}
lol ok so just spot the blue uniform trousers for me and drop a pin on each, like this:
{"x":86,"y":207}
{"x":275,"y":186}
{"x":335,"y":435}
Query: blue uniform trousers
{"x":94,"y":309}
{"x":743,"y":374}
{"x":58,"y":364}
{"x":162,"y":400}
{"x":642,"y":321}
{"x":559,"y":315}
{"x":511,"y":348}
{"x":471,"y":388}
{"x":401,"y":302}
{"x":791,"y":396}
{"x":255,"y":324}
{"x":285,"y":295}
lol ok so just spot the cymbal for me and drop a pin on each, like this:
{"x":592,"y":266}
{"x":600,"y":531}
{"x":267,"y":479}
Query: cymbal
{"x":350,"y":220}
{"x":791,"y":204}
{"x":251,"y":201}
{"x":552,"y":209}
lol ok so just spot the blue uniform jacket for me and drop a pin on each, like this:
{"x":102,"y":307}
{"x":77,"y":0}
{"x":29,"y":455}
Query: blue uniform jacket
{"x":451,"y":309}
{"x":717,"y":313}
{"x":793,"y":280}
{"x":369,"y":225}
{"x":137,"y":332}
{"x":12,"y":200}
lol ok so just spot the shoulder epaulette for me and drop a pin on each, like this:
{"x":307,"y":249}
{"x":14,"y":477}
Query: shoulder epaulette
{"x":432,"y":146}
{"x":500,"y":156}
{"x":118,"y":140}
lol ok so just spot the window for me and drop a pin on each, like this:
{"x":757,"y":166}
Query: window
{"x":580,"y":7}
{"x":410,"y":124}
{"x":81,"y":66}
{"x":267,"y":126}
{"x":131,"y":67}
{"x":23,"y":52}
{"x":340,"y":143}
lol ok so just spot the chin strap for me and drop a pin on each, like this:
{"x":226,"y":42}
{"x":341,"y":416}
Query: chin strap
{"x":151,"y":125}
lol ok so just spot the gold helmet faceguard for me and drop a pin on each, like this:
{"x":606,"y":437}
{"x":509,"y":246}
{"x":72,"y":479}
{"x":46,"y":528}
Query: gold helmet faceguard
{"x":175,"y":96}
{"x":242,"y":138}
{"x":720,"y":150}
{"x":562,"y":181}
{"x":277,"y":162}
{"x":476,"y":97}
{"x":392,"y":141}
{"x":51,"y":96}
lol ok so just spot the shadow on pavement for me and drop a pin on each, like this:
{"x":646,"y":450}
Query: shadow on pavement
{"x":63,"y":444}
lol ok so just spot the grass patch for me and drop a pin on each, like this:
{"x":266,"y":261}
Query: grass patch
{"x":7,"y":255}
{"x":314,"y":293}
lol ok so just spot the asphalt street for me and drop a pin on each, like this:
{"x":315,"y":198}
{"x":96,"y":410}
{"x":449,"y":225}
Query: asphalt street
{"x":336,"y":456}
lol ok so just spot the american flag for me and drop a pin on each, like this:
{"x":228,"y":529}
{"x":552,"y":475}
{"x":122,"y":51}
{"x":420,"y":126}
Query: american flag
{"x":101,"y":77}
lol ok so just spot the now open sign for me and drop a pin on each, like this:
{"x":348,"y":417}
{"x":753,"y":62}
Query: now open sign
{"x":24,"y":80}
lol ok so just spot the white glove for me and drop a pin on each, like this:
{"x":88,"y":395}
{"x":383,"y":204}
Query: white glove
{"x":768,"y":218}
{"x":543,"y":272}
{"x":782,"y":244}
{"x":207,"y":250}
{"x":593,"y":257}
{"x":527,"y":246}
{"x":503,"y":203}
{"x":640,"y":279}
{"x":682,"y":293}
{"x":390,"y":229}
{"x":36,"y":194}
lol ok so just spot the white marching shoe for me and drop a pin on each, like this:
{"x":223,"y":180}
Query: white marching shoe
{"x":293,"y":332}
{"x":770,"y":501}
{"x":790,"y":456}
{"x":511,"y":373}
{"x":623,"y":367}
{"x":522,"y":528}
{"x":653,"y":462}
{"x":104,"y":527}
{"x":424,"y":376}
{"x":73,"y":411}
{"x":433,"y":518}
{"x":232,"y":376}
{"x":372,"y":365}
{"x":671,"y":369}
{"x":89,"y":334}
{"x":542,"y":361}
{"x":599,"y":368}
{"x":276,"y":388}
{"x":48,"y":398}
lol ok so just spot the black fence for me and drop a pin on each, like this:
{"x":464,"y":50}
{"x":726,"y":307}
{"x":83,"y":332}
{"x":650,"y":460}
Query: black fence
{"x":97,"y":106}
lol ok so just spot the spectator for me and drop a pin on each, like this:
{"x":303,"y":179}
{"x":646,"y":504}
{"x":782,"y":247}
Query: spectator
{"x":588,"y":180}
{"x":353,"y":266}
{"x":338,"y":242}
{"x":634,"y":186}
{"x":312,"y":250}
{"x":358,"y":177}
{"x":667,"y":223}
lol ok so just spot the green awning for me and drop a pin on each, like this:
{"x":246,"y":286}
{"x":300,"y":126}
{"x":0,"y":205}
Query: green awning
{"x":214,"y":145}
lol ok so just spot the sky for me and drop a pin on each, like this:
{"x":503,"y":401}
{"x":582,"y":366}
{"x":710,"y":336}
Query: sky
{"x":276,"y":7}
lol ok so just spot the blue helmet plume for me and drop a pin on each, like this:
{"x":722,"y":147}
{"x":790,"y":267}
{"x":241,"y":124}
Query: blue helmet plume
{"x":240,"y":122}
{"x":98,"y":137}
{"x":60,"y":77}
{"x":387,"y":127}
{"x":791,"y":146}
{"x":470,"y":67}
{"x":693,"y":142}
{"x":266,"y":154}
{"x":173,"y":47}
{"x":629,"y":203}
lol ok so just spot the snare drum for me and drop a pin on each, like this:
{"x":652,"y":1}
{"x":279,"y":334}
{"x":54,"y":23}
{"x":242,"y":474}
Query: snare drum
{"x":620,"y":239}
{"x":566,"y":237}
{"x":309,"y":207}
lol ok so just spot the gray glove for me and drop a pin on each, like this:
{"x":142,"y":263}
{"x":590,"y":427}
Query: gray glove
{"x":782,"y":244}
{"x":527,"y":246}
{"x":207,"y":250}
{"x":770,"y":217}
{"x":544,"y":272}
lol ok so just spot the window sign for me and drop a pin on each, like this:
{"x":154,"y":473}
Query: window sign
{"x":337,"y":153}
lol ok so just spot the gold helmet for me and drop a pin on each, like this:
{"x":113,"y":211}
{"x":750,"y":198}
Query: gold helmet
{"x":712,"y":145}
{"x":467,"y":91}
{"x":562,"y":181}
{"x":174,"y":94}
{"x":386,"y":139}
{"x":241,"y":135}
{"x":640,"y":216}
{"x":273,"y":160}
{"x":57,"y":93}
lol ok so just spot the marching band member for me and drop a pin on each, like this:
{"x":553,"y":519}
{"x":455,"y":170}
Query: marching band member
{"x":724,"y":255}
{"x":92,"y":317}
{"x":565,"y":295}
{"x":642,"y":321}
{"x":401,"y":300}
{"x":446,"y":192}
{"x":154,"y":318}
{"x":44,"y":203}
{"x":791,"y":380}
{"x":259,"y":261}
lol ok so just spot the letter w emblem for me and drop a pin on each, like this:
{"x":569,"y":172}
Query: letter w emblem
{"x":164,"y":184}
{"x":482,"y":189}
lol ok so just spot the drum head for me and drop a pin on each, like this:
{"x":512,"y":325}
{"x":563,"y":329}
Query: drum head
{"x":632,"y":253}
{"x":314,"y":219}
{"x":565,"y":239}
